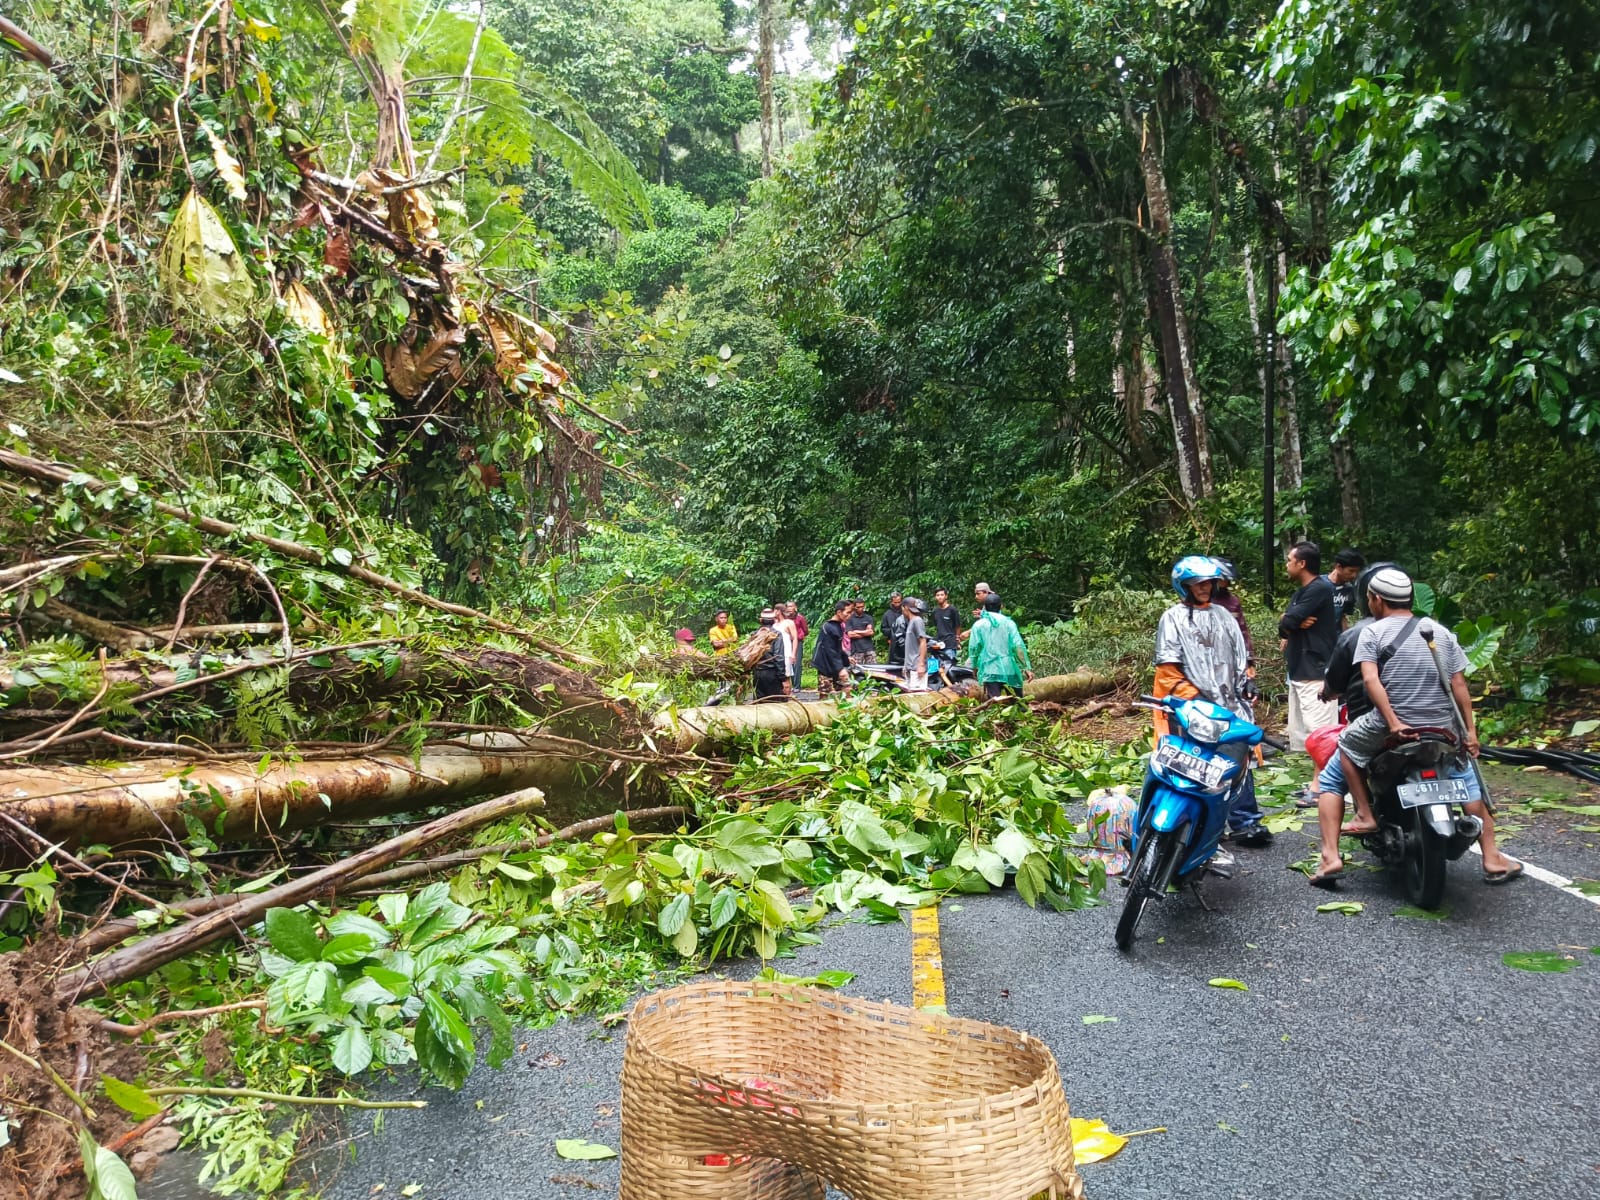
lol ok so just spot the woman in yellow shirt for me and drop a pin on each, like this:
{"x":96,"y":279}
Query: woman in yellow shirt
{"x":724,"y":636}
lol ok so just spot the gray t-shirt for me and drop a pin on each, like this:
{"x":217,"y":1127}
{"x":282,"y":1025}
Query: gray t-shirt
{"x":1410,"y":677}
{"x":916,"y":631}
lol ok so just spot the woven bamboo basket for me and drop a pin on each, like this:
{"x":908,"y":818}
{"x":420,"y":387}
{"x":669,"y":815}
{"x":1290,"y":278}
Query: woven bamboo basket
{"x":768,"y":1091}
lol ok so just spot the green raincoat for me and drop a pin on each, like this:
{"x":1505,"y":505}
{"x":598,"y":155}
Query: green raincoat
{"x":996,"y":651}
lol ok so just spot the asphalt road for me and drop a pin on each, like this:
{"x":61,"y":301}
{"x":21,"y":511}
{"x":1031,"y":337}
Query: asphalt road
{"x":1373,"y":1056}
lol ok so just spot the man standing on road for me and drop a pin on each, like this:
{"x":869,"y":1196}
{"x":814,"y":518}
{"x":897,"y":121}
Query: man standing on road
{"x":1402,"y":681}
{"x":801,"y":629}
{"x":1199,"y":652}
{"x":1309,"y":629}
{"x":861,"y":631}
{"x":915,"y":645}
{"x":893,"y":628}
{"x":833,"y":667}
{"x":1347,"y":565}
{"x":946,"y":625}
{"x":996,"y":651}
{"x":979,"y":592}
{"x":791,"y":641}
{"x":771,"y":671}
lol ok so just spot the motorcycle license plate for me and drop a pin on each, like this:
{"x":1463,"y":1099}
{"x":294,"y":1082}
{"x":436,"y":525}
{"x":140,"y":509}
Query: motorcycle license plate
{"x":1434,"y":791}
{"x":1204,"y":771}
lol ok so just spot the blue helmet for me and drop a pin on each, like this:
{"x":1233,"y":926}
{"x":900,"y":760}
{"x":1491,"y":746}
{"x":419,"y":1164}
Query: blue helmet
{"x":1193,"y":568}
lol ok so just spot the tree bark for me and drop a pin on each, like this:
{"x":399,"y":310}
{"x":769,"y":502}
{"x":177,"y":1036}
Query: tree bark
{"x":695,"y":728}
{"x":151,"y":801}
{"x":134,"y":961}
{"x":766,"y":37}
{"x":1184,"y":399}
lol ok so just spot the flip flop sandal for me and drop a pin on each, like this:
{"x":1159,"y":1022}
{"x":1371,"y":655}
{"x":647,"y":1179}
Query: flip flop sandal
{"x":1346,"y":831}
{"x":1326,"y":879}
{"x":1495,"y":878}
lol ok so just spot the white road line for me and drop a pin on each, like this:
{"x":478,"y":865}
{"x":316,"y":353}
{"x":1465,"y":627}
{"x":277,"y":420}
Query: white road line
{"x":1559,"y":882}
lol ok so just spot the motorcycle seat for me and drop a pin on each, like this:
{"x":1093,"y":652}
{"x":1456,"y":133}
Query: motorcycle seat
{"x":1425,"y":745}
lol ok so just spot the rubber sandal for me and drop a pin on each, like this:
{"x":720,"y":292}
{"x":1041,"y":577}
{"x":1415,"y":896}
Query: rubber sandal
{"x":1347,"y":831}
{"x":1496,"y":878}
{"x":1326,"y":879}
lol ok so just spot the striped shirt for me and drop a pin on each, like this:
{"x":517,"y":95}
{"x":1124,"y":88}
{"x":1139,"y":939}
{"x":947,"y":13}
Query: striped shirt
{"x":1410,"y":676}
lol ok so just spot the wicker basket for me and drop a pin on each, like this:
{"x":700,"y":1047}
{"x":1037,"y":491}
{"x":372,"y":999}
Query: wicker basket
{"x":762,"y":1091}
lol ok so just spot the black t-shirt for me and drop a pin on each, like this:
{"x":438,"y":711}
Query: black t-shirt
{"x":1344,"y":598}
{"x":1308,"y":650}
{"x":946,"y":625}
{"x":1343,"y":680}
{"x":856,"y":624}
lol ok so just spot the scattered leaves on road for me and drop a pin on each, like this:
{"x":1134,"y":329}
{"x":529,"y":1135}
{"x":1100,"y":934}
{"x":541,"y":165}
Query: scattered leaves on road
{"x":582,"y":1150}
{"x":1547,"y":961}
{"x":827,"y":979}
{"x":1422,"y":914}
{"x":1233,"y":984}
{"x":1095,"y":1019}
{"x":1348,"y":907}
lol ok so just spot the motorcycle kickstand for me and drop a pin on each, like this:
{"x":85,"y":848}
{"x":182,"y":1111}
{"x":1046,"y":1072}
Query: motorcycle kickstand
{"x":1194,"y":886}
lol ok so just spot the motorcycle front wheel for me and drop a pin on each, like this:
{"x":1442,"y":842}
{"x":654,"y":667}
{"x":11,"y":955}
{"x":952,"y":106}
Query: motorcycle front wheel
{"x":1424,"y":862}
{"x":1142,"y":877}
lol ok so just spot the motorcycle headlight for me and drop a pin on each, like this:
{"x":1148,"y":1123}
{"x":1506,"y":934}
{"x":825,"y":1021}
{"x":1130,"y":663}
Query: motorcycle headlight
{"x":1205,"y":729}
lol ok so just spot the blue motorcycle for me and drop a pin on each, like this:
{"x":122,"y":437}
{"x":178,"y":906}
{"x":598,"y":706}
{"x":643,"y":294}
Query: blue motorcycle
{"x":1194,"y":775}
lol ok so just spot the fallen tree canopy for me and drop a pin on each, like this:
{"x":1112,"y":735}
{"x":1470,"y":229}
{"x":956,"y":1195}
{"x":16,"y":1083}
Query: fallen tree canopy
{"x":698,"y":728}
{"x":324,"y":678}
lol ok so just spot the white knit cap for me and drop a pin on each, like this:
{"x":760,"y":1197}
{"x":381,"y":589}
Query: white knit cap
{"x":1393,"y":585}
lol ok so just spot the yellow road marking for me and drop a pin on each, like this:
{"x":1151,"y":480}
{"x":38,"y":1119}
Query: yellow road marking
{"x":927,"y":965}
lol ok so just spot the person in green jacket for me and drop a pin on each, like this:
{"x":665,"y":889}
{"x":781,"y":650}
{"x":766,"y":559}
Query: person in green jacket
{"x":995,"y":650}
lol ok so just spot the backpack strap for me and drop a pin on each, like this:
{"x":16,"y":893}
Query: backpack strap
{"x":1392,"y":647}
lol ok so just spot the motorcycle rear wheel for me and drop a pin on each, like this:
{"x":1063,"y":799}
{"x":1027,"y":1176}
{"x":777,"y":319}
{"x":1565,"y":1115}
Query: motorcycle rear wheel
{"x":1424,"y":863}
{"x":1142,"y":876}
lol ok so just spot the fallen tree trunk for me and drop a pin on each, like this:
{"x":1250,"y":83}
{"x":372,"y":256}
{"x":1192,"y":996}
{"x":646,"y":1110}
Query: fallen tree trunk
{"x":162,"y":948}
{"x":53,"y":473}
{"x":109,"y":933}
{"x":150,"y":801}
{"x":694,"y":728}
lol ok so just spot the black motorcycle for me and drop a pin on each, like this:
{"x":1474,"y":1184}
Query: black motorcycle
{"x":1417,"y":799}
{"x":943,"y":670}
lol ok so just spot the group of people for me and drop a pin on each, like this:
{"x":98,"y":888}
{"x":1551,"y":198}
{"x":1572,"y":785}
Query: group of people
{"x":1385,"y":679}
{"x":919,"y":643}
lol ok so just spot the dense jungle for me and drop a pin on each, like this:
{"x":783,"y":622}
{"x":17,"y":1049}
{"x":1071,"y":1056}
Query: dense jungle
{"x":383,"y":382}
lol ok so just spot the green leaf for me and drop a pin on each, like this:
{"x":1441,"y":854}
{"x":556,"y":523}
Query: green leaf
{"x":724,"y":907}
{"x":112,"y":1179}
{"x":1348,"y":907}
{"x":1545,"y":961}
{"x":1584,"y":728}
{"x":348,"y":948}
{"x":443,"y":1042}
{"x":292,"y":934}
{"x":1098,"y":1020}
{"x":1463,"y":279}
{"x":688,"y":940}
{"x":1232,"y":984}
{"x":772,"y":905}
{"x":1033,"y":878}
{"x":673,"y":916}
{"x":1421,"y":914}
{"x":1013,"y":846}
{"x":130,"y":1098}
{"x":583,"y":1151}
{"x":352,"y":1050}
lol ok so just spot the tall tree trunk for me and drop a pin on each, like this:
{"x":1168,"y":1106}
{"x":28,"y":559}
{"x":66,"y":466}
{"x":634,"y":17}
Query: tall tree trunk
{"x":1184,"y":400}
{"x":1291,"y":465}
{"x":1129,"y":374}
{"x":766,"y":36}
{"x":1341,"y":448}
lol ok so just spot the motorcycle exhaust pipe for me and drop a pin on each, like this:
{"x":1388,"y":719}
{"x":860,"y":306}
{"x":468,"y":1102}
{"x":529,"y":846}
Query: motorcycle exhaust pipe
{"x":1467,"y":830}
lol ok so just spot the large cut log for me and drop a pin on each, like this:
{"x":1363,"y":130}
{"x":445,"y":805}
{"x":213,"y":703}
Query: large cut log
{"x":693,"y":728}
{"x":151,"y":800}
{"x":133,"y":961}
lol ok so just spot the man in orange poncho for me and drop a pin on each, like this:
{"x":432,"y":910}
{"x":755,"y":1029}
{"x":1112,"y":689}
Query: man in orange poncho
{"x":1200,"y":652}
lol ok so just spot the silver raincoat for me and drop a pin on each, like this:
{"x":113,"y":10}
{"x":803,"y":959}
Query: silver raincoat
{"x":1207,"y":645}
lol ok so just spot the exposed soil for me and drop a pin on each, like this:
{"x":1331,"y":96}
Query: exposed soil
{"x":42,"y":1160}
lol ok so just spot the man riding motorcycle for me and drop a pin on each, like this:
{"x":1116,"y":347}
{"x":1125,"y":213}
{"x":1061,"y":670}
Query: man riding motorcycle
{"x":1200,"y":652}
{"x":1402,"y":681}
